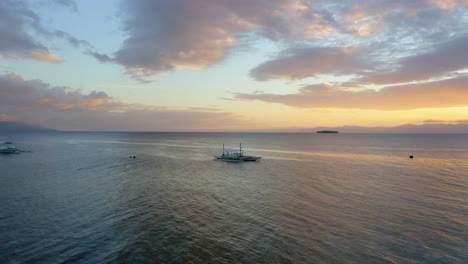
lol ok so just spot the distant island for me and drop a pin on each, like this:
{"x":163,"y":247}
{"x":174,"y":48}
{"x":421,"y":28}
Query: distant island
{"x":327,"y":131}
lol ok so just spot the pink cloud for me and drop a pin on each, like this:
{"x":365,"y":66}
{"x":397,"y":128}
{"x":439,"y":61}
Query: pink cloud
{"x":303,"y":62}
{"x":67,"y":109}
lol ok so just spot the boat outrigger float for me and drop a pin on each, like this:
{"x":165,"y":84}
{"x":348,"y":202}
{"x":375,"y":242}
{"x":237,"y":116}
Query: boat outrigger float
{"x":236,"y":155}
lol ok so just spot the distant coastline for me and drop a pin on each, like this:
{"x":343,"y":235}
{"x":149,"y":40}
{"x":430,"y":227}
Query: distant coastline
{"x":8,"y":126}
{"x":328,"y":131}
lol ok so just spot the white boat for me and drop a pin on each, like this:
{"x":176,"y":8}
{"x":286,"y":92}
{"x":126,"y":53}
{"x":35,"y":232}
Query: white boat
{"x":8,"y":148}
{"x":236,"y":155}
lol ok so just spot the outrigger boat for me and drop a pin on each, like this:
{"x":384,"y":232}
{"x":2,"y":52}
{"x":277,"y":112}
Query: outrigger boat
{"x":8,"y":148}
{"x":234,"y":155}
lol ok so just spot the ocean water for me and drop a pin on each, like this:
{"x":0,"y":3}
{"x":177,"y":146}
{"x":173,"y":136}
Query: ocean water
{"x":77,"y":197}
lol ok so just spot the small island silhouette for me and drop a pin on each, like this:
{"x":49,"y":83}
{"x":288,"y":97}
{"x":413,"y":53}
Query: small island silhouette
{"x":327,"y":131}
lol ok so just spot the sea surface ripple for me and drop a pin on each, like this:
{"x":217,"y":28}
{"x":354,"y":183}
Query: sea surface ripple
{"x":77,"y":197}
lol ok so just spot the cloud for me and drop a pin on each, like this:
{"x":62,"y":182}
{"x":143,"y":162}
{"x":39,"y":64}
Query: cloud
{"x":176,"y":34}
{"x":438,"y":94}
{"x":16,"y":18}
{"x":454,"y":122}
{"x":303,"y":62}
{"x":77,"y":43}
{"x":385,"y":42}
{"x":21,"y":28}
{"x":68,"y":3}
{"x":448,"y":3}
{"x":445,"y":58}
{"x":100,"y":56}
{"x":415,"y":40}
{"x":326,"y":37}
{"x":45,"y":57}
{"x":36,"y":102}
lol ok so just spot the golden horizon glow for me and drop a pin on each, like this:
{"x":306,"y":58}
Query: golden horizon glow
{"x":221,"y":65}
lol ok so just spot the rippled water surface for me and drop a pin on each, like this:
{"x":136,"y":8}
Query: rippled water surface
{"x":314,"y":198}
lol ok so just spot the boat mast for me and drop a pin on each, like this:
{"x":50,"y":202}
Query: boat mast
{"x":223,"y":149}
{"x":240,"y":148}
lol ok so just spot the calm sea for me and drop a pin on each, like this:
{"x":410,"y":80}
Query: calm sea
{"x":313,"y":198}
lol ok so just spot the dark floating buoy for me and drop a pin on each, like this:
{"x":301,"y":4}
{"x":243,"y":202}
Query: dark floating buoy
{"x":411,"y":156}
{"x":134,"y":157}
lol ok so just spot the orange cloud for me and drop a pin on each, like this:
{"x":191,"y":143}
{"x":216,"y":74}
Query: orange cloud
{"x":449,"y":3}
{"x":45,"y":57}
{"x":46,"y":100}
{"x":63,"y":105}
{"x":438,"y":94}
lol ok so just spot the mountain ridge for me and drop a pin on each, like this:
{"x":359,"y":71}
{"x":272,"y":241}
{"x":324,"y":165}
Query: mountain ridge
{"x":10,"y":126}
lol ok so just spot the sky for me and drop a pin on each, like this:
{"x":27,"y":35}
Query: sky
{"x":235,"y":65}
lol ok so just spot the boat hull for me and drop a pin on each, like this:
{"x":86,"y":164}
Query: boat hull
{"x":233,"y":155}
{"x":8,"y":148}
{"x":251,"y":159}
{"x":9,"y":151}
{"x":238,"y":159}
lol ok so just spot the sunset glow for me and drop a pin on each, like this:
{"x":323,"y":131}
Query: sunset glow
{"x":279,"y":65}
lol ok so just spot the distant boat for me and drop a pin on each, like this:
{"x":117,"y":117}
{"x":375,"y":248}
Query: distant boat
{"x":234,"y":155}
{"x":8,"y":148}
{"x":328,"y":131}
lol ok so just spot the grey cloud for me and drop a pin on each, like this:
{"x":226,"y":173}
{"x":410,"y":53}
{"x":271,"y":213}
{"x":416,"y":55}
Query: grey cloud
{"x":401,"y":41}
{"x":415,"y":40}
{"x":36,"y":102}
{"x":169,"y":34}
{"x":22,"y":28}
{"x":68,"y":3}
{"x":302,"y":62}
{"x":438,"y":94}
{"x":16,"y":18}
{"x":77,"y":43}
{"x":100,"y":56}
{"x":445,"y":58}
